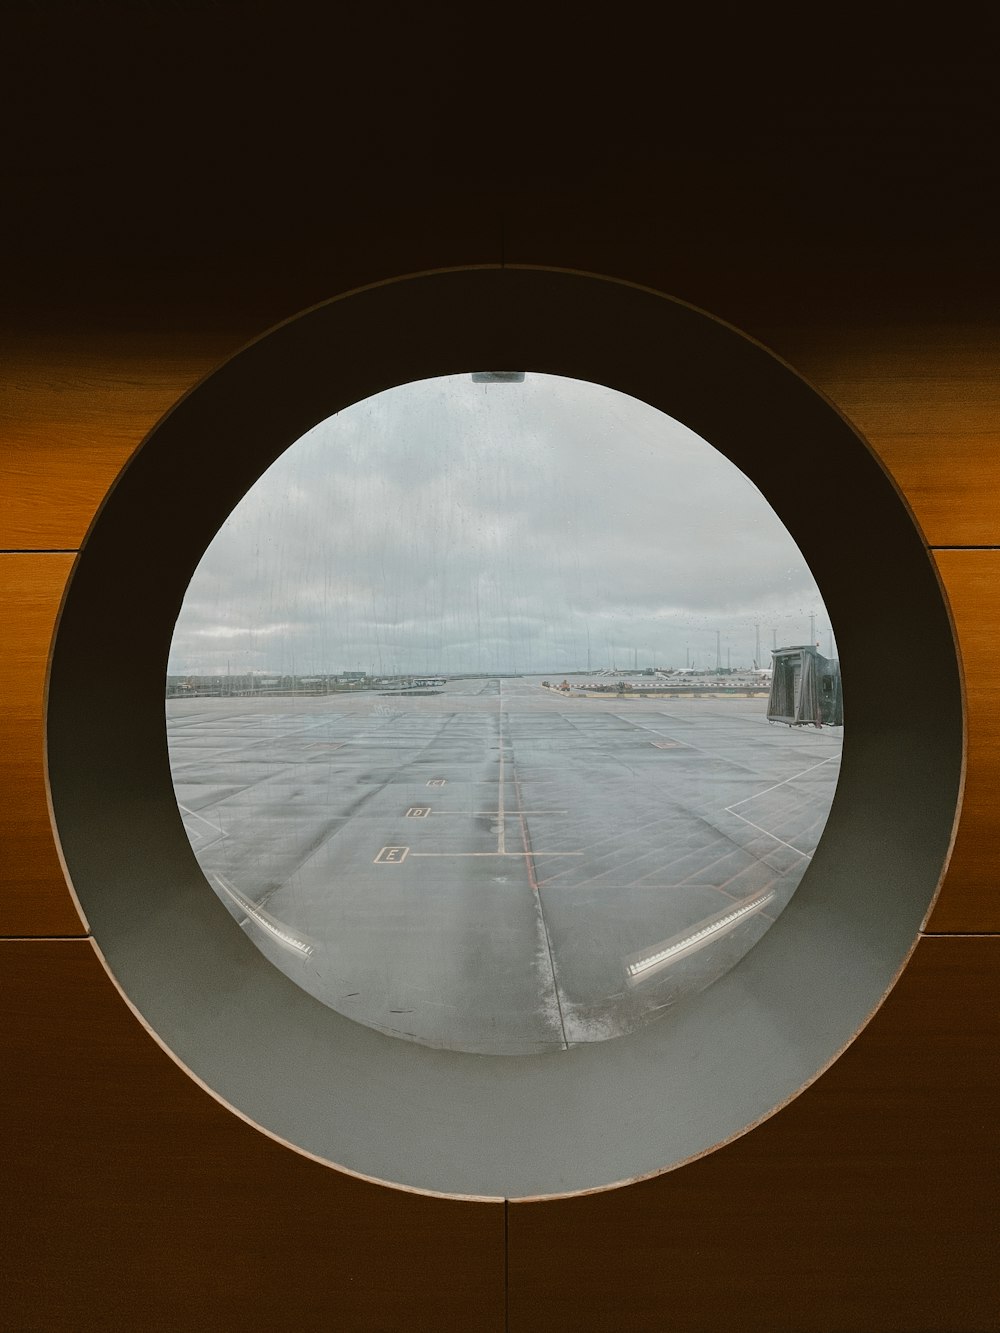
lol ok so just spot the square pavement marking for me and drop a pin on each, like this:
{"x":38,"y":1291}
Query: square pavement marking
{"x":391,"y":856}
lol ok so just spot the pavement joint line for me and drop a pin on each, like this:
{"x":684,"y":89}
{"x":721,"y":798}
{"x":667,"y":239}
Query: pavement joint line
{"x":615,"y":838}
{"x":657,"y":732}
{"x":268,"y":740}
{"x":650,"y":851}
{"x":697,"y":748}
{"x":754,"y":856}
{"x":530,"y":867}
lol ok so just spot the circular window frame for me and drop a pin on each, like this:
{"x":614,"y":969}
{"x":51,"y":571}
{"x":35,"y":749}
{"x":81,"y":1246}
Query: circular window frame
{"x":503,"y":1126}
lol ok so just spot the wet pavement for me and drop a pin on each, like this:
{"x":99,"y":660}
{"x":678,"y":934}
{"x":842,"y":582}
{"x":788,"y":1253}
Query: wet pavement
{"x":498,"y":867}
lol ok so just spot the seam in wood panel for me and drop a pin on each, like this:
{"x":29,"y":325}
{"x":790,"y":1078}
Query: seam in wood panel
{"x":39,"y":550}
{"x":506,"y":1265}
{"x":48,"y":939}
{"x":960,"y":935}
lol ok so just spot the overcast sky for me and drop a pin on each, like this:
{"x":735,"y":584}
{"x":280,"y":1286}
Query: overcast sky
{"x":446,"y":526}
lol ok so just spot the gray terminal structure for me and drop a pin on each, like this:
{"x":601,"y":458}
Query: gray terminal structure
{"x":805,"y":689}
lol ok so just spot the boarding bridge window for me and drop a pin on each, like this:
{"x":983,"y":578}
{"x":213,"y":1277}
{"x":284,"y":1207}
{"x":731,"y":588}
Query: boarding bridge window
{"x":504,"y":713}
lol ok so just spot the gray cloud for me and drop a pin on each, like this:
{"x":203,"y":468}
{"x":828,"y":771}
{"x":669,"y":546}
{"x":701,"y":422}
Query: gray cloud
{"x":452,"y":526}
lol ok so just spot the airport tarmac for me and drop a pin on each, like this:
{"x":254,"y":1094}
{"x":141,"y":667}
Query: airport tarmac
{"x":498,"y":868}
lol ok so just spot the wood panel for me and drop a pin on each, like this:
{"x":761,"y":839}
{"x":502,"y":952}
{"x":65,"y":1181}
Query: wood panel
{"x":914,"y":368}
{"x":139,"y":1202}
{"x":970,"y":896}
{"x":74,"y":409}
{"x":91,"y":366}
{"x":926,"y":396}
{"x":34,"y":899}
{"x":867,"y":1203}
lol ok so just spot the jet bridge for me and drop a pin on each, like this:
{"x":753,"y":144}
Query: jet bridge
{"x":805,"y":689}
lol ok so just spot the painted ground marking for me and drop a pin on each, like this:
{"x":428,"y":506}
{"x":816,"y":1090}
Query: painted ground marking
{"x":195,"y":815}
{"x":535,"y":854}
{"x":732,"y":809}
{"x":391,"y":856}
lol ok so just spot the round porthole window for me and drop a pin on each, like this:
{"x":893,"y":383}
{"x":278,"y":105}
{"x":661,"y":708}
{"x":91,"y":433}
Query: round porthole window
{"x":473,"y":724}
{"x":510,"y":728}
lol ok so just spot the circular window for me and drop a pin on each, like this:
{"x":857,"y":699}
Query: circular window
{"x":468,"y":712}
{"x":413,"y":1112}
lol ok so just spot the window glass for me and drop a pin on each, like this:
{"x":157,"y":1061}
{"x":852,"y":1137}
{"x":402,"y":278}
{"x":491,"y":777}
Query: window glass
{"x":504,"y":713}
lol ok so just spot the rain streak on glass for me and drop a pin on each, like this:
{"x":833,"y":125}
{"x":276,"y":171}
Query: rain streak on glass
{"x":504,"y":714}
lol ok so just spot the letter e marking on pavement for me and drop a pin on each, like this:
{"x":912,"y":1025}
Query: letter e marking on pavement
{"x":391,"y":856}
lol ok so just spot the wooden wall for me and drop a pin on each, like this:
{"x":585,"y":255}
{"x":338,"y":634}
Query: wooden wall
{"x":137,"y":1201}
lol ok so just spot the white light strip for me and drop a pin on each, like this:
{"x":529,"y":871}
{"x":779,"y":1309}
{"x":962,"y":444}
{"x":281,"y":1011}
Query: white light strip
{"x":700,"y":937}
{"x":304,"y":949}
